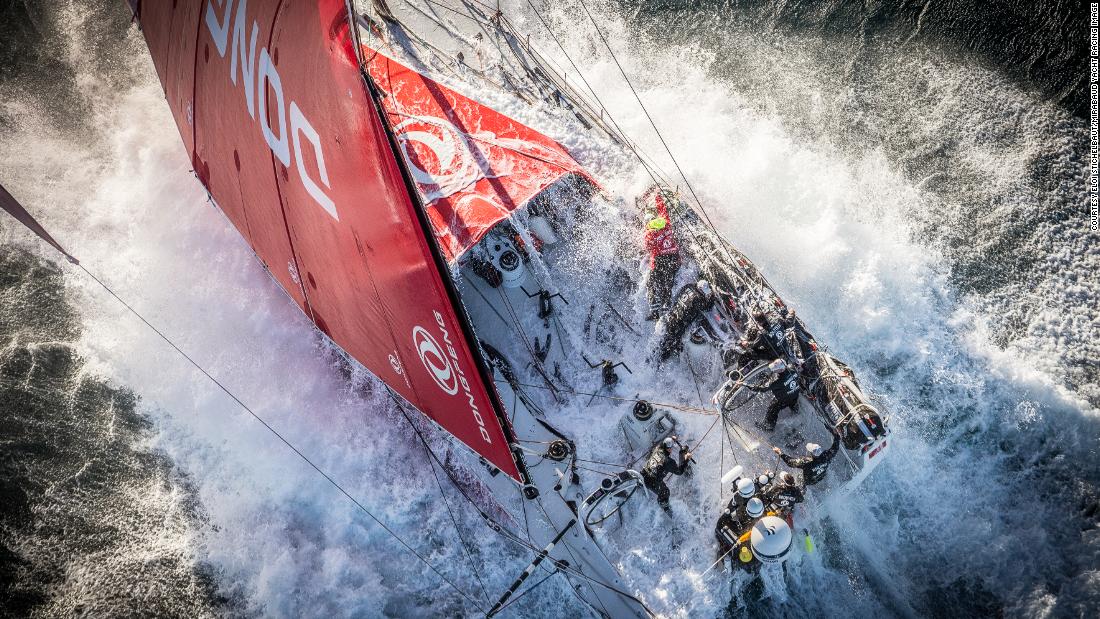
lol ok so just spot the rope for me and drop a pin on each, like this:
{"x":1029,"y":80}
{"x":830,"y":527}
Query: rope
{"x":286,"y":442}
{"x":526,"y":591}
{"x":694,"y":379}
{"x":704,"y":437}
{"x":450,"y":512}
{"x":677,"y":407}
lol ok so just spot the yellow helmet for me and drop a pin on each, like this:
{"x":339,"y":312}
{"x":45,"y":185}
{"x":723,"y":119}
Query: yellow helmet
{"x":745,"y":555}
{"x":657,"y":223}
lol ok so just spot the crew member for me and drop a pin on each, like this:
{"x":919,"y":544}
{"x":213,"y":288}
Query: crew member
{"x":691,"y":302}
{"x":733,"y":523}
{"x":816,"y":464}
{"x":668,"y":457}
{"x":664,"y":258}
{"x":745,"y":491}
{"x":785,"y":388}
{"x":774,"y":336}
{"x":783,"y":493}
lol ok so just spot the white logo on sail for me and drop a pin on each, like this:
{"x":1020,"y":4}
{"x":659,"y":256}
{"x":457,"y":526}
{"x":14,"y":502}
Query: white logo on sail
{"x":445,"y":368}
{"x":436,"y":362}
{"x":256,"y":78}
{"x":444,"y":163}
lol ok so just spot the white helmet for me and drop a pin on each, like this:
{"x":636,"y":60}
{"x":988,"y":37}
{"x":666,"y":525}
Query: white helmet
{"x":754,"y":508}
{"x":763,"y":479}
{"x":704,"y":287}
{"x":814,"y":449}
{"x":745,"y":488}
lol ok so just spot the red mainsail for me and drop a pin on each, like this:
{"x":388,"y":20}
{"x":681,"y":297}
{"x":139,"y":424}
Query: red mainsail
{"x":282,"y":130}
{"x":472,"y":165}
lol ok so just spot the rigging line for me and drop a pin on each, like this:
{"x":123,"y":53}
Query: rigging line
{"x":603,"y":463}
{"x":527,"y":590}
{"x":705,"y":434}
{"x":415,"y":39}
{"x":286,"y":442}
{"x":736,"y":430}
{"x":695,"y":379}
{"x":517,"y":327}
{"x":569,"y":549}
{"x":489,"y":520}
{"x":535,"y":361}
{"x":721,"y":468}
{"x":507,"y":534}
{"x":642,"y":157}
{"x":450,"y":512}
{"x":677,"y":407}
{"x":729,"y":439}
{"x":481,"y":294}
{"x":559,"y":82}
{"x":574,"y":96}
{"x":592,"y":470}
{"x":629,"y":142}
{"x":648,"y":116}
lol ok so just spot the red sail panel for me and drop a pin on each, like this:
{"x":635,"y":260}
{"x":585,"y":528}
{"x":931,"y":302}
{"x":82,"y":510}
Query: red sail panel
{"x":290,"y":145}
{"x":232,"y":156}
{"x":179,"y":83}
{"x":473,"y":165}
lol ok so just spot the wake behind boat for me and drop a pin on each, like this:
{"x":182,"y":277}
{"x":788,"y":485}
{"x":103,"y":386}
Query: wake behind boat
{"x":601,"y":355}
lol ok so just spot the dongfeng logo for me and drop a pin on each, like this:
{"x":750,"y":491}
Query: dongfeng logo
{"x":435,"y":360}
{"x":446,"y":369}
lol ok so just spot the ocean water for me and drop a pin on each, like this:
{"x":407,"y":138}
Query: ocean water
{"x":918,"y":199}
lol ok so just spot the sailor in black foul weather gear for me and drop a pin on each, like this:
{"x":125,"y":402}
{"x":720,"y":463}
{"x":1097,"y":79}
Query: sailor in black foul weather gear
{"x":815,"y":465}
{"x":746,"y":489}
{"x":691,"y":302}
{"x":735,"y":521}
{"x":783,"y":493}
{"x":785,"y":388}
{"x":774,"y":336}
{"x":668,"y":457}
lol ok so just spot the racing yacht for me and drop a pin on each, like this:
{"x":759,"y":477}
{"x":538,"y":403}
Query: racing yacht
{"x":487,"y":278}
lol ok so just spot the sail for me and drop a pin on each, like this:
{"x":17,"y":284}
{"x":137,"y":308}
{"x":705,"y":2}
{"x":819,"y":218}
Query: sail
{"x":473,"y":165}
{"x":16,"y":210}
{"x":283,"y":132}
